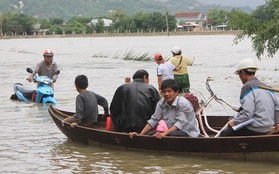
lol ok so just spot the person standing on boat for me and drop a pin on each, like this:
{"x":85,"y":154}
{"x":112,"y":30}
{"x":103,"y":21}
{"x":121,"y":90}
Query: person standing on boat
{"x":177,"y":112}
{"x":47,"y":67}
{"x":86,"y":104}
{"x":181,"y":76}
{"x":133,"y":103}
{"x":164,"y":69}
{"x":259,"y":107}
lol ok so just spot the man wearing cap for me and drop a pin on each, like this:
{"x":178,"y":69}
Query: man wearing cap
{"x":259,"y":107}
{"x":181,"y":76}
{"x":46,"y":67}
{"x":164,"y":69}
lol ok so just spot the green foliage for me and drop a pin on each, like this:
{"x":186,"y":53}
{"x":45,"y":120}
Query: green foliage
{"x":239,"y":20}
{"x":66,"y":9}
{"x":55,"y":29}
{"x":99,"y":28}
{"x":17,"y":23}
{"x":262,"y":27}
{"x":218,"y":17}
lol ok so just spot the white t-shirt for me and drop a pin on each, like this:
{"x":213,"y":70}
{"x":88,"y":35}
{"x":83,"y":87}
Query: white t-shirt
{"x":165,"y":70}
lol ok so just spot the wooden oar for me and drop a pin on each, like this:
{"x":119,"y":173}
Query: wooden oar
{"x":268,"y":88}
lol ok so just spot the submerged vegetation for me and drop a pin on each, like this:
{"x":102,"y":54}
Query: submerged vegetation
{"x":132,"y":55}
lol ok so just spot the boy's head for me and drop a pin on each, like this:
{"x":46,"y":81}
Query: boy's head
{"x":81,"y":82}
{"x":170,"y":83}
{"x":170,"y":90}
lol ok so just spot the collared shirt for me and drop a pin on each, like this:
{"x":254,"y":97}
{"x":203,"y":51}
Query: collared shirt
{"x":180,"y":114}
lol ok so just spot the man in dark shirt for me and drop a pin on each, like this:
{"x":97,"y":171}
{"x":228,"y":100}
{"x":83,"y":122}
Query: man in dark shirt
{"x":134,"y":103}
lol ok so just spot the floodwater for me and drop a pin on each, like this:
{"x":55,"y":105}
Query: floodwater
{"x":31,"y":142}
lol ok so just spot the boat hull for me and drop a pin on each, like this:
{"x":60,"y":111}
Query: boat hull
{"x":98,"y":135}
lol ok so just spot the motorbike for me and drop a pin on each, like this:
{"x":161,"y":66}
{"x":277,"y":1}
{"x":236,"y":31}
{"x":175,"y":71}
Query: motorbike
{"x":43,"y":94}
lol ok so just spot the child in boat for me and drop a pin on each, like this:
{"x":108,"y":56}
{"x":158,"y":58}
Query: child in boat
{"x":176,"y":111}
{"x":86,"y":104}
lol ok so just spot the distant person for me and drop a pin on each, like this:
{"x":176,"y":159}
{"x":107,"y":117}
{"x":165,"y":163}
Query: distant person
{"x":47,"y":67}
{"x":133,"y":103}
{"x":86,"y":104}
{"x":259,"y":105}
{"x":176,"y":111}
{"x":164,"y":69}
{"x":181,"y":75}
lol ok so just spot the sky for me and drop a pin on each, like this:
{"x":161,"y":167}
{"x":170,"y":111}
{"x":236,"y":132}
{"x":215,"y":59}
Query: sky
{"x":237,"y":3}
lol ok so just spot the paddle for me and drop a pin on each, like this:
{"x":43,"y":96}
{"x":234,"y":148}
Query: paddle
{"x":268,"y":88}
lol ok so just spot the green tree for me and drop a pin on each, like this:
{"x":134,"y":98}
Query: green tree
{"x":237,"y":17}
{"x":99,"y":27}
{"x":17,"y":23}
{"x":262,"y":27}
{"x":125,"y":23}
{"x":218,"y":17}
{"x":56,"y":21}
{"x":74,"y":26}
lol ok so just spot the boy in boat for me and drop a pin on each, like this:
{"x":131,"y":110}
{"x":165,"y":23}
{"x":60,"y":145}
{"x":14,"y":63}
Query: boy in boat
{"x":259,"y":105}
{"x":176,"y":111}
{"x":133,"y":103}
{"x":86,"y":104}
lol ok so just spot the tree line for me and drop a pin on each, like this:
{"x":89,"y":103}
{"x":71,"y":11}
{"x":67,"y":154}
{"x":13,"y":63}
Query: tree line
{"x":21,"y":24}
{"x":261,"y":26}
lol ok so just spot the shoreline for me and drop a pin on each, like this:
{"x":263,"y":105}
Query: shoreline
{"x":186,"y":33}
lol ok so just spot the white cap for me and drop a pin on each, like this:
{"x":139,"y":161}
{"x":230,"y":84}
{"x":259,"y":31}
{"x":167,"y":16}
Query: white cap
{"x":247,"y":64}
{"x":176,"y":50}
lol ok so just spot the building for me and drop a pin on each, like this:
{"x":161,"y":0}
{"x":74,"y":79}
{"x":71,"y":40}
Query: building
{"x":191,"y":21}
{"x":107,"y":22}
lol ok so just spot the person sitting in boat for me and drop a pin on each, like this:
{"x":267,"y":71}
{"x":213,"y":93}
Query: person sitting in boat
{"x":259,"y":107}
{"x":133,"y":103}
{"x":86,"y":104}
{"x":47,"y":67}
{"x":176,"y":111}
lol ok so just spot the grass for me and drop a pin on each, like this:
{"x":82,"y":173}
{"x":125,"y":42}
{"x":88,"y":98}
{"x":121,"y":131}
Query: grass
{"x":132,"y":55}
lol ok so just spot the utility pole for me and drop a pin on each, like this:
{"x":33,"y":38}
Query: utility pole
{"x":1,"y":31}
{"x":167,"y":20}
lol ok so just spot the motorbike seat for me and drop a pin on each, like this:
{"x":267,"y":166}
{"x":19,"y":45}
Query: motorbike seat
{"x":27,"y":92}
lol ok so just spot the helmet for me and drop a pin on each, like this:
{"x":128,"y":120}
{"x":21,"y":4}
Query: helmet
{"x":158,"y":56}
{"x":176,"y":50}
{"x":247,"y":64}
{"x":48,"y":53}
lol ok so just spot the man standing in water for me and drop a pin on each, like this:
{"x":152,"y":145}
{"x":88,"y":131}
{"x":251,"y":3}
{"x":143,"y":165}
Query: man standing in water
{"x":181,"y":63}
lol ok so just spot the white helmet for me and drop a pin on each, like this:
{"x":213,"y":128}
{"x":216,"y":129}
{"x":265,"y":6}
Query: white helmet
{"x":247,"y":64}
{"x":176,"y":50}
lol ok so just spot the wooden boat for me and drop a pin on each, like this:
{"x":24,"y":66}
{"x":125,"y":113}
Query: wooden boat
{"x":97,"y":134}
